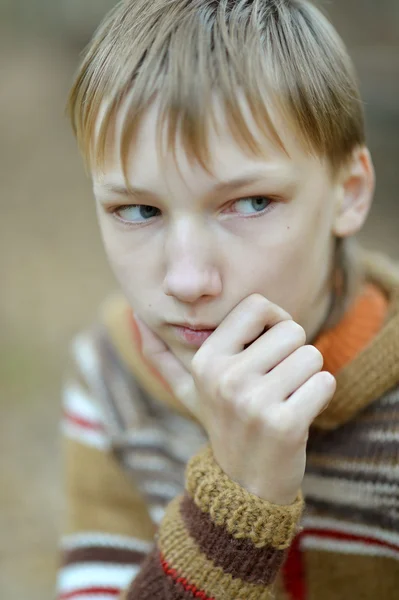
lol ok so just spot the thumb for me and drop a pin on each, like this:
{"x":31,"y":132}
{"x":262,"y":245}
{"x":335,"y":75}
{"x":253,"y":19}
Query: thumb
{"x":167,"y":364}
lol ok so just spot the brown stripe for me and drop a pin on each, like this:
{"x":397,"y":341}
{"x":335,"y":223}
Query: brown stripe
{"x":238,"y":557}
{"x":358,"y":449}
{"x":334,"y":470}
{"x":183,"y":554}
{"x":152,"y":583}
{"x":349,"y":441}
{"x":104,"y":555}
{"x":366,"y":516}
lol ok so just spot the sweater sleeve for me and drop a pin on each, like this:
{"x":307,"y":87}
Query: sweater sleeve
{"x":217,"y":541}
{"x":107,"y":530}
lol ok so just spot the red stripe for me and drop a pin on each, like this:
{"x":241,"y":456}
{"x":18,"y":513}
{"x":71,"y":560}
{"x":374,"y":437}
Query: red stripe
{"x":93,"y":591}
{"x":293,"y":571}
{"x":85,"y":423}
{"x":340,"y":535}
{"x":196,"y":593}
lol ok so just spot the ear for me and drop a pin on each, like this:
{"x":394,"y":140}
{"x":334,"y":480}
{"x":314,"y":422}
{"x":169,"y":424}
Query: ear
{"x":355,"y":194}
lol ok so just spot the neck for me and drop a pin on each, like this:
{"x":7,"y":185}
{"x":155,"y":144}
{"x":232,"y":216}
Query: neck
{"x":318,"y":318}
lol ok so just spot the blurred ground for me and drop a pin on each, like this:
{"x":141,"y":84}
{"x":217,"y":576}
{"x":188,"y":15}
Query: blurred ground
{"x":52,"y":267}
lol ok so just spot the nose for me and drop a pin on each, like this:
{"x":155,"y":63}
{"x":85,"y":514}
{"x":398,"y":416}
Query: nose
{"x":191,"y":265}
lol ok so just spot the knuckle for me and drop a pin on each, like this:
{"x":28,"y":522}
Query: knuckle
{"x":260,"y":302}
{"x":328,"y":381}
{"x":314,"y":355}
{"x":287,"y":428}
{"x":229,"y":383}
{"x":199,"y":364}
{"x":296,"y":331}
{"x":247,"y":409}
{"x":282,"y":425}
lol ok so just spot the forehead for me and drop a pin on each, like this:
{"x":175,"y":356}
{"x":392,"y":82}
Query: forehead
{"x":227,"y":157}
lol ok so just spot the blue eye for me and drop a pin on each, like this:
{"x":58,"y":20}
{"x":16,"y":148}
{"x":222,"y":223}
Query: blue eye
{"x":252,"y":205}
{"x":137,"y":213}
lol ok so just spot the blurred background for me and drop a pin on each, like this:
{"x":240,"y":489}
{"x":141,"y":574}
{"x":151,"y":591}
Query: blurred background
{"x":53,"y":271}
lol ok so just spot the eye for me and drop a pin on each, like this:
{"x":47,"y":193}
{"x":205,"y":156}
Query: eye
{"x":137,"y":213}
{"x":251,"y":205}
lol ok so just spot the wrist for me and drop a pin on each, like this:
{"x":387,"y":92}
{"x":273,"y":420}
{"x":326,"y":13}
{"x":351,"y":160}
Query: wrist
{"x":216,"y":493}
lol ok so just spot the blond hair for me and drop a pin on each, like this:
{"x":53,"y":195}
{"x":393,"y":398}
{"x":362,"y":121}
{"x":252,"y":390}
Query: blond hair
{"x":181,"y":51}
{"x":282,"y":53}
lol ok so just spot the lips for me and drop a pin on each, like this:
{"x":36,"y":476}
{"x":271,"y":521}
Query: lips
{"x":193,"y":336}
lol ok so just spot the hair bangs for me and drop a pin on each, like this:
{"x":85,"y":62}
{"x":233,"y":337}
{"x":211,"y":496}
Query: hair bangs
{"x":184,"y":54}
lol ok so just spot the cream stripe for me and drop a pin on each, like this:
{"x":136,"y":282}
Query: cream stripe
{"x":381,"y":435}
{"x":359,"y":494}
{"x":103,"y":540}
{"x":85,"y":356}
{"x":157,"y":513}
{"x":351,"y":528}
{"x":78,"y":403}
{"x":390,"y":471}
{"x":391,"y":398}
{"x":316,"y":543}
{"x":85,"y":436}
{"x":153,"y":463}
{"x":165,"y":490}
{"x":155,"y":436}
{"x":95,"y":575}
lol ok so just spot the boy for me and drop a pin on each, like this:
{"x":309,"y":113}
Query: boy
{"x":226,"y":145}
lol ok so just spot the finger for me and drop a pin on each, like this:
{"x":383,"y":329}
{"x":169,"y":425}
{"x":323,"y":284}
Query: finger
{"x":244,"y":324}
{"x":271,"y":348}
{"x":295,"y":370}
{"x":164,"y":361}
{"x":313,"y":397}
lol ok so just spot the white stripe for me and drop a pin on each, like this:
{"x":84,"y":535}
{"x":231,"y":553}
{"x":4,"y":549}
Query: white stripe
{"x":104,"y":540}
{"x":158,"y":438}
{"x":381,"y":435}
{"x":391,"y":398}
{"x":95,"y":574}
{"x":78,"y":403}
{"x":164,"y":490}
{"x":309,"y":542}
{"x":392,"y":472}
{"x":359,"y":494}
{"x":148,"y":436}
{"x":85,"y":356}
{"x":157,"y":513}
{"x":153,"y":463}
{"x":351,"y":528}
{"x":80,"y":434}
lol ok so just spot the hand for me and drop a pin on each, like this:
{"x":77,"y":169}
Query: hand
{"x":256,"y":399}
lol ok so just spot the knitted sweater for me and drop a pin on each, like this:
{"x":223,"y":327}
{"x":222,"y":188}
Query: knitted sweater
{"x":150,"y":515}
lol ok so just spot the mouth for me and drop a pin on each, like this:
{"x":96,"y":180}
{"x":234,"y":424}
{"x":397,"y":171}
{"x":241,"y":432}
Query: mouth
{"x":193,"y":335}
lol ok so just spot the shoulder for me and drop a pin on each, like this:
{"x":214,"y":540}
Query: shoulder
{"x":380,"y":269}
{"x":107,"y":356}
{"x":97,"y":369}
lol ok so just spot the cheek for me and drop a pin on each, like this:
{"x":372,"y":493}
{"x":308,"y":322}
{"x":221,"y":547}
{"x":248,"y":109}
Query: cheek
{"x":130,"y":262}
{"x":290,"y":266}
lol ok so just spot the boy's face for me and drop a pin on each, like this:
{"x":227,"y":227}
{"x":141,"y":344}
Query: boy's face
{"x":260,"y":225}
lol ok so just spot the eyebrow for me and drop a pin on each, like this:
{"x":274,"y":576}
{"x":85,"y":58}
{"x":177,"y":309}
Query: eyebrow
{"x":222,"y":186}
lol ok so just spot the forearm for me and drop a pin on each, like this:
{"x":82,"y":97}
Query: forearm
{"x":217,"y":541}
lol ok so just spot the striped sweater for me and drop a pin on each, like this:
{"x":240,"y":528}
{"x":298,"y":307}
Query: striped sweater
{"x":150,"y":515}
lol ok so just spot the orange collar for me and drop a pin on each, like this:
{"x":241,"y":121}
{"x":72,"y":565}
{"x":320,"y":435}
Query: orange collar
{"x":342,"y":343}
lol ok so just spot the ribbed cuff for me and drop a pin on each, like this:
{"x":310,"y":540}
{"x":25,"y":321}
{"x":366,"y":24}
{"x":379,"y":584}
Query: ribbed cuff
{"x":244,"y":515}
